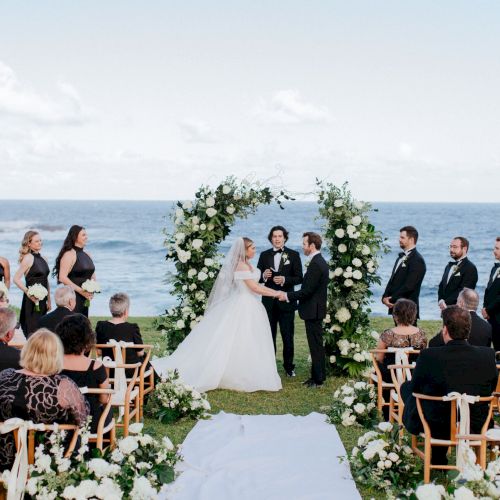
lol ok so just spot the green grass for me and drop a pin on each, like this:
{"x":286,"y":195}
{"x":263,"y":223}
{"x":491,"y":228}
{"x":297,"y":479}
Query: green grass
{"x":294,"y":398}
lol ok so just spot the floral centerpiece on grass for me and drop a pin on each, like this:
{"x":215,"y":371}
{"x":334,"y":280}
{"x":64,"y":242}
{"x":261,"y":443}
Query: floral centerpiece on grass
{"x":380,"y":462}
{"x":192,"y":245}
{"x":136,"y":469}
{"x":355,"y":403}
{"x":354,"y":245}
{"x":172,"y":400}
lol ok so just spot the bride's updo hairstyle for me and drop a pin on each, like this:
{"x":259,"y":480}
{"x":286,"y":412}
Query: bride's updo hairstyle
{"x":248,"y":243}
{"x":25,"y":244}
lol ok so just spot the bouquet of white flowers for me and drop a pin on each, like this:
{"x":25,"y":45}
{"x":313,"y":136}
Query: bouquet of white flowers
{"x":355,"y":403}
{"x":172,"y":400}
{"x":380,"y":462}
{"x":39,"y":292}
{"x":90,"y":286}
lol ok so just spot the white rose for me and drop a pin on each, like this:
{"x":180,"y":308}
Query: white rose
{"x":210,"y":201}
{"x":331,"y":275}
{"x":343,"y":315}
{"x":167,"y":443}
{"x":202,"y":276}
{"x":354,"y":305}
{"x":393,"y":456}
{"x":237,"y":197}
{"x":135,"y":428}
{"x":356,"y":220}
{"x":342,"y":248}
{"x":117,"y":455}
{"x":210,"y":227}
{"x":348,"y":282}
{"x":209,"y":262}
{"x":360,"y":385}
{"x":192,"y":272}
{"x":463,"y":493}
{"x":430,"y":491}
{"x":226,"y":189}
{"x":333,"y":359}
{"x":339,"y":233}
{"x":128,"y":445}
{"x":380,"y":464}
{"x":388,"y":464}
{"x":338,"y":271}
{"x":180,"y":323}
{"x":197,"y":244}
{"x":195,"y":220}
{"x":365,"y":250}
{"x":359,"y":408}
{"x":187,"y":205}
{"x":357,"y":275}
{"x":211,"y":212}
{"x":347,"y":274}
{"x":357,"y":262}
{"x":385,"y":426}
{"x":358,"y":204}
{"x":203,"y":227}
{"x":179,"y":237}
{"x":338,"y":203}
{"x":230,"y":209}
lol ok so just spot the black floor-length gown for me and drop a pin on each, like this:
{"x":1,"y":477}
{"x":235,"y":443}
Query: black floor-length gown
{"x":38,"y":273}
{"x":82,"y":271}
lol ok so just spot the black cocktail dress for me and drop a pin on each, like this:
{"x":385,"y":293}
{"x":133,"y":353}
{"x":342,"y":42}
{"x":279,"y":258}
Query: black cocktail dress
{"x":82,"y":271}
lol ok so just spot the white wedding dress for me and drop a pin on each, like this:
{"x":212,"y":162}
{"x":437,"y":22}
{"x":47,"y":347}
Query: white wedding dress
{"x":231,"y":347}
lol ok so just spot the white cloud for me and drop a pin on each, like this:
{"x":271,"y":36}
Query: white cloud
{"x":196,"y":131}
{"x":18,"y":99}
{"x":405,"y":150}
{"x":288,"y":107}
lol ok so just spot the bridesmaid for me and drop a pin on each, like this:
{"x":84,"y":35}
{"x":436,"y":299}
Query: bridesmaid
{"x":74,"y":266}
{"x":35,"y":269}
{"x":5,"y":271}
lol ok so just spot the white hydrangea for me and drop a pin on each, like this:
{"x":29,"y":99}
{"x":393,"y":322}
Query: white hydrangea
{"x":211,"y":212}
{"x":348,"y":282}
{"x":108,"y":490}
{"x":339,"y":233}
{"x":128,"y":444}
{"x":385,"y":426}
{"x":349,"y":420}
{"x":359,"y":408}
{"x":350,"y":229}
{"x":343,"y":315}
{"x":366,"y":437}
{"x":360,"y":385}
{"x":365,"y":250}
{"x":354,"y":305}
{"x":342,"y":248}
{"x":348,"y":400}
{"x":179,"y":237}
{"x":357,"y":274}
{"x":430,"y":491}
{"x":197,"y":244}
{"x":357,"y":262}
{"x":338,"y":203}
{"x":136,"y":428}
{"x":375,"y":447}
{"x":210,"y":201}
{"x":183,"y":256}
{"x":230,"y":209}
{"x":356,"y":220}
{"x":192,"y":272}
{"x":202,"y":276}
{"x":338,"y":271}
{"x":464,"y":493}
{"x":180,"y":323}
{"x":209,"y":262}
{"x":143,"y":490}
{"x":102,"y":468}
{"x":226,"y":189}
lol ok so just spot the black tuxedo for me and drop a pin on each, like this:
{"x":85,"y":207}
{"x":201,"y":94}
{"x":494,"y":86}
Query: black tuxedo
{"x":406,"y":280}
{"x":456,"y":366}
{"x":282,"y":313}
{"x":53,"y":318}
{"x":9,"y":357}
{"x":492,"y":306}
{"x":464,"y":276}
{"x":480,"y":333}
{"x":312,"y":309}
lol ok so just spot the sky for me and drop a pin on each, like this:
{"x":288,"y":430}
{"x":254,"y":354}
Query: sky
{"x":148,"y":100}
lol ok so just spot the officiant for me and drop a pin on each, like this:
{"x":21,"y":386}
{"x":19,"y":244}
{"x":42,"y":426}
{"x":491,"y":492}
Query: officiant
{"x":281,"y":269}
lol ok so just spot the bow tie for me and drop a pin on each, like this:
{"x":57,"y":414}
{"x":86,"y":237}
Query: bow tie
{"x":453,"y":263}
{"x":496,"y":264}
{"x":401,"y":254}
{"x":277,"y":251}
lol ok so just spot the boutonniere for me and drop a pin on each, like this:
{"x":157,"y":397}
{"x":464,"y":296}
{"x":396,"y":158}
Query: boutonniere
{"x":284,"y":259}
{"x":403,"y":262}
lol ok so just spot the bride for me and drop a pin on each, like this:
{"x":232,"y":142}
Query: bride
{"x":232,"y":346}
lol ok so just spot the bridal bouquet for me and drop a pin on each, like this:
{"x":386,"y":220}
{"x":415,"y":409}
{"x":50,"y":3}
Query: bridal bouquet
{"x":90,"y":286}
{"x":380,"y":462}
{"x":39,"y":292}
{"x":354,"y":404}
{"x":136,"y":469}
{"x":172,"y":400}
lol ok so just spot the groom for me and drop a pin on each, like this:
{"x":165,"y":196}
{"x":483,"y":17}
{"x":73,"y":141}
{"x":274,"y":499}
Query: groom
{"x":281,"y":269}
{"x":312,"y":305}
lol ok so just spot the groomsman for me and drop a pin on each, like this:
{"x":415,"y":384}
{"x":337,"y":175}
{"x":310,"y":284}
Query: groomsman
{"x":460,"y":273}
{"x":408,"y":271}
{"x":281,"y":270}
{"x":491,"y":304}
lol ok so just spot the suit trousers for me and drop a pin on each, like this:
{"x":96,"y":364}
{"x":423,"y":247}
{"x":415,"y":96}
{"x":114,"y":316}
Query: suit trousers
{"x":286,"y":321}
{"x":495,"y":332}
{"x":314,"y":332}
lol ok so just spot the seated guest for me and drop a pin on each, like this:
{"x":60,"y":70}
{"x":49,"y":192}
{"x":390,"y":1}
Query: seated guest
{"x":9,"y":356}
{"x":78,"y":338}
{"x":4,"y":299}
{"x":456,"y":366}
{"x":38,"y":392}
{"x":65,"y":300}
{"x":480,"y":333}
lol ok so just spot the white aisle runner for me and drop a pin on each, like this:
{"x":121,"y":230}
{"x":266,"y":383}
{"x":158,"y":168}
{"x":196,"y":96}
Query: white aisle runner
{"x":263,"y":457}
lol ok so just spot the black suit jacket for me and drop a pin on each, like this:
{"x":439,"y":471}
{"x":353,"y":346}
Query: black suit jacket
{"x":465,"y":276}
{"x":53,"y":318}
{"x":405,"y":283}
{"x":480,"y":333}
{"x":492,"y":298}
{"x":9,"y":357}
{"x":313,"y":293}
{"x":291,"y":271}
{"x":457,"y":366}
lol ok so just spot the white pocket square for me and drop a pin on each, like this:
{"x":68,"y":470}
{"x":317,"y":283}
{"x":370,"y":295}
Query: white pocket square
{"x":457,"y":274}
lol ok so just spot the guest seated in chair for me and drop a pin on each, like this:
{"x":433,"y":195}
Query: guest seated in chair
{"x":9,"y":356}
{"x":38,"y":392}
{"x":65,"y":298}
{"x":77,"y":337}
{"x":456,"y":366}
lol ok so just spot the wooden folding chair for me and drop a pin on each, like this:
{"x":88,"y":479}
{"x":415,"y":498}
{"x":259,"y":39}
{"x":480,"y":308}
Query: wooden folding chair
{"x":102,"y":429}
{"x":399,"y":375}
{"x":428,"y":441}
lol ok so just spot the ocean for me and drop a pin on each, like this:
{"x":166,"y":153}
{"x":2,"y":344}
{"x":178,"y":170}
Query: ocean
{"x":126,"y":242}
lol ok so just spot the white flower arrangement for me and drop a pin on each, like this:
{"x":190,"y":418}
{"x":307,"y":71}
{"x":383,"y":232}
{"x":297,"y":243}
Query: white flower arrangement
{"x":39,"y":292}
{"x":90,"y":286}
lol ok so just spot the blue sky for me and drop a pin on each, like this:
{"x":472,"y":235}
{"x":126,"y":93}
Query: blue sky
{"x":147,"y":100}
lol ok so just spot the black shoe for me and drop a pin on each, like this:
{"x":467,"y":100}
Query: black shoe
{"x":312,"y":383}
{"x":308,"y":381}
{"x":290,"y":373}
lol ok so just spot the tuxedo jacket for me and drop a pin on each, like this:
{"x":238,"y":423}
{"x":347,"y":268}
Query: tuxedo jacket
{"x":290,"y":267}
{"x":480,"y":333}
{"x":313,"y":293}
{"x":405,"y":283}
{"x":456,"y":366}
{"x":53,"y":318}
{"x":9,"y":357}
{"x":464,"y":276}
{"x":492,"y":297}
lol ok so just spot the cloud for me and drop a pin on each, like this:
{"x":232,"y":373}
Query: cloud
{"x":196,"y":131}
{"x":19,"y":100}
{"x":406,"y":150}
{"x":288,"y":107}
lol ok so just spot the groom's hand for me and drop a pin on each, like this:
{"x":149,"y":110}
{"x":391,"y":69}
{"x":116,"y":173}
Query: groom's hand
{"x":279,"y":280}
{"x":282,"y":297}
{"x":267,"y":274}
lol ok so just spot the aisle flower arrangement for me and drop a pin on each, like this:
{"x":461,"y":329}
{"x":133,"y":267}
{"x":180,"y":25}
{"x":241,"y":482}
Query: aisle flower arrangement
{"x":355,"y":403}
{"x":199,"y":227}
{"x":136,"y":469}
{"x":173,"y":400}
{"x":380,"y":462}
{"x":354,"y":246}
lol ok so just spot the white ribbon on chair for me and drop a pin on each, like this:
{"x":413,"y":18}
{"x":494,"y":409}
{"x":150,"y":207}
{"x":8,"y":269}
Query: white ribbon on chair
{"x":463,"y":402}
{"x":19,"y":471}
{"x":401,"y":358}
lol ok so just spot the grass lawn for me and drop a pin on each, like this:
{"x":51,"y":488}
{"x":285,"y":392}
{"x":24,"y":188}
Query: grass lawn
{"x":294,"y":398}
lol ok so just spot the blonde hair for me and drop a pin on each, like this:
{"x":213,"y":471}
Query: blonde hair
{"x":25,"y":244}
{"x":43,"y":353}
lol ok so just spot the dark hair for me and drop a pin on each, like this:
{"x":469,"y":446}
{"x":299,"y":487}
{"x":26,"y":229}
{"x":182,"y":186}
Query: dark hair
{"x":411,"y":232}
{"x":277,"y":228}
{"x":498,"y":238}
{"x":457,"y":322}
{"x":68,"y":244}
{"x":404,"y":312}
{"x":463,"y":241}
{"x":313,"y":239}
{"x":75,"y":332}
